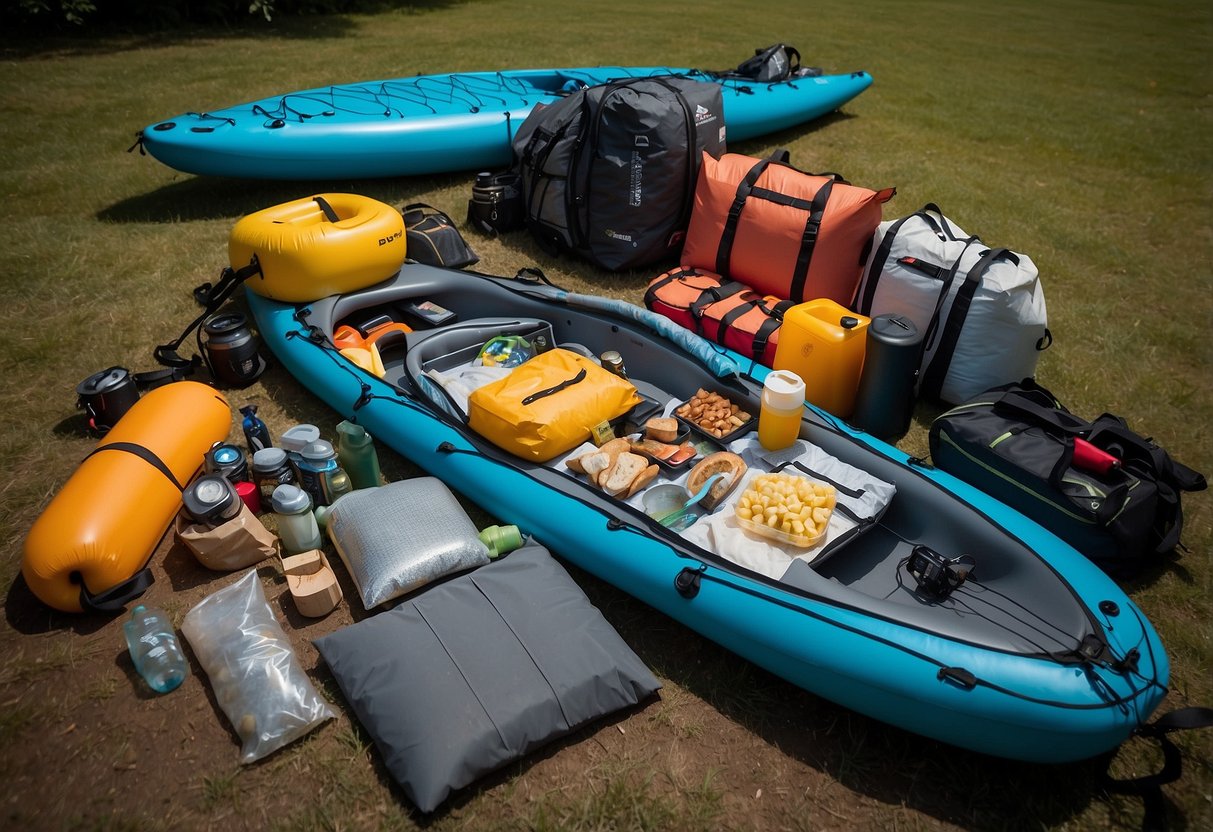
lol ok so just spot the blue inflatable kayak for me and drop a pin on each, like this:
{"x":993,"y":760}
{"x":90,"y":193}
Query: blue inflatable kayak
{"x":437,"y":123}
{"x":1025,"y":650}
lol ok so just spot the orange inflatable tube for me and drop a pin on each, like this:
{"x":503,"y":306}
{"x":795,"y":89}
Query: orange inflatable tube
{"x":89,"y":549}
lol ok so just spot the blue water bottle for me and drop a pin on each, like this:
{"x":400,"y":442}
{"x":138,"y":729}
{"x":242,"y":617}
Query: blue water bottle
{"x":256,"y":434}
{"x":154,"y":649}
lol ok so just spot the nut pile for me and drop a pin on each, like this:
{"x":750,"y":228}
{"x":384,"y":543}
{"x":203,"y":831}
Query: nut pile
{"x":713,"y":413}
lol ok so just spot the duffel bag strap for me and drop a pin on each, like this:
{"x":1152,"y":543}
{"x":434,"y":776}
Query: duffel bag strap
{"x":1024,"y":407}
{"x":937,"y":371}
{"x":724,"y":252}
{"x":1112,"y":434}
{"x":712,"y":295}
{"x":808,"y":240}
{"x":772,"y":319}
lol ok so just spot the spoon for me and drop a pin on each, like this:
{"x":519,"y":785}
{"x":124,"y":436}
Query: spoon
{"x":672,"y":517}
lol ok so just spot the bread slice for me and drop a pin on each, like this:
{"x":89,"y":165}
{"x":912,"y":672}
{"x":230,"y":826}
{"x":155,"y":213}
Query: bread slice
{"x":662,"y":429}
{"x":622,"y":474}
{"x":644,"y":478}
{"x":612,"y":450}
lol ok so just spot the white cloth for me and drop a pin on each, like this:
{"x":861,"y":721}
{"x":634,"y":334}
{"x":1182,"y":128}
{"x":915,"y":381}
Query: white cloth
{"x":861,"y":493}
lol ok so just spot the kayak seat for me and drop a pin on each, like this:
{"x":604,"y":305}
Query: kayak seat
{"x":456,"y":345}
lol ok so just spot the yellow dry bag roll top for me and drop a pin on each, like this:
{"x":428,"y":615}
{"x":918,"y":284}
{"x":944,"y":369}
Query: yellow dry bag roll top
{"x":323,"y":245}
{"x":548,"y":405}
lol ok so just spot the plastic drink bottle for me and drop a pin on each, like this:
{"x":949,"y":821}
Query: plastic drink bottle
{"x":297,"y":526}
{"x":256,"y":434}
{"x":294,"y":440}
{"x":320,"y":475}
{"x":356,"y":453}
{"x":501,"y":539}
{"x":154,"y":649}
{"x":272,"y":468}
{"x":781,"y":411}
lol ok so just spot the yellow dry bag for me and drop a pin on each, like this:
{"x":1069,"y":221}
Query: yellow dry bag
{"x":548,"y":405}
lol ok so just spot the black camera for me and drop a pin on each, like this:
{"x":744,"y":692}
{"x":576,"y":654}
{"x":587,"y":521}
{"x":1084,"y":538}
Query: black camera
{"x":936,"y":575}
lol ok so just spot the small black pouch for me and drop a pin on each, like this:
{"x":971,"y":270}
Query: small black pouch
{"x":433,"y":238}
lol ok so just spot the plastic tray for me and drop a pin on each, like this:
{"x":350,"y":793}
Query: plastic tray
{"x":802,"y":541}
{"x":750,"y":424}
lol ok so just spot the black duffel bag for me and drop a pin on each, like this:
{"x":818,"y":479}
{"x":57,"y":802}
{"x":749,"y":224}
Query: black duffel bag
{"x":1112,"y":494}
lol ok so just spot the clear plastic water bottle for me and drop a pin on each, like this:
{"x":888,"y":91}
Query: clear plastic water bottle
{"x":154,"y":649}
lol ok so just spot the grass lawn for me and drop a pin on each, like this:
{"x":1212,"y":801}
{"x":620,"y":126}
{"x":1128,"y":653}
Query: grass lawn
{"x":1076,"y":132}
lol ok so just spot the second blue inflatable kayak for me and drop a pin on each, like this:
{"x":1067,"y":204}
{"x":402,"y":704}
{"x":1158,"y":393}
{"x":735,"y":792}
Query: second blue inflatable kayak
{"x":437,"y":123}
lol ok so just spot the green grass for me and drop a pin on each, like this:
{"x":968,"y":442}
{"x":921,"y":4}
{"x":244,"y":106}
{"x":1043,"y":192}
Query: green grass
{"x":1076,"y":132}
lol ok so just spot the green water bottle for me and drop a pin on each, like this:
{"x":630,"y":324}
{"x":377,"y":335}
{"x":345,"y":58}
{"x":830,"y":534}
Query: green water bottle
{"x":356,"y":453}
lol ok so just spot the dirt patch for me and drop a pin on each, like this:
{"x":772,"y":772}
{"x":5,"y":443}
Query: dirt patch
{"x":724,"y":745}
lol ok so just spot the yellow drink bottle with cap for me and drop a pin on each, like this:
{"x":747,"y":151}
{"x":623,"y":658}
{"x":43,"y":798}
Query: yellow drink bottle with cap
{"x":782,"y":410}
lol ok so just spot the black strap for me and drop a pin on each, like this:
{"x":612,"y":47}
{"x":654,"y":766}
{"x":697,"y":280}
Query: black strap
{"x":1149,"y":787}
{"x":568,"y":382}
{"x":937,"y":370}
{"x":816,"y":208}
{"x":1024,"y":407}
{"x":420,"y":211}
{"x":724,"y":252}
{"x":211,"y":297}
{"x":329,"y":213}
{"x":749,"y":301}
{"x":650,"y":294}
{"x":769,"y":327}
{"x":872,"y":279}
{"x":934,"y":219}
{"x":712,"y":295}
{"x":143,"y":453}
{"x":808,"y":240}
{"x":116,"y":597}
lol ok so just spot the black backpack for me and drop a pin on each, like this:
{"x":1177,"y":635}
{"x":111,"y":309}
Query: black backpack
{"x":609,"y":172}
{"x":1116,"y":499}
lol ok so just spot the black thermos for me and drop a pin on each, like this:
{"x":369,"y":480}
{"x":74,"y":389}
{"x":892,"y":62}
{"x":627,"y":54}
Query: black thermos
{"x":885,"y":400}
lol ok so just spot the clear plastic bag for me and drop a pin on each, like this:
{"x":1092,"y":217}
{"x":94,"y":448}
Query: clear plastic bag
{"x":257,"y":679}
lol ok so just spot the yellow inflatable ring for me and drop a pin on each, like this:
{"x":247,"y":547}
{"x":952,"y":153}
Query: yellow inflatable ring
{"x":90,"y":546}
{"x":320,"y":246}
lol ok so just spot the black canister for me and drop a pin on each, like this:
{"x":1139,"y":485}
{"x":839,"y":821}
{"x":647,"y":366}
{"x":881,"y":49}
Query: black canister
{"x":885,"y":400}
{"x":271,"y":468}
{"x":226,"y":460}
{"x":105,"y":396}
{"x":211,"y":499}
{"x":231,"y":350}
{"x":496,"y":204}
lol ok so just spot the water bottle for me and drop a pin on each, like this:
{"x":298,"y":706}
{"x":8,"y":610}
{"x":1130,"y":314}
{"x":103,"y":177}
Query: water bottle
{"x":320,"y":475}
{"x":294,"y":440}
{"x":154,"y":649}
{"x":356,"y":453}
{"x":256,"y":434}
{"x":296,"y":524}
